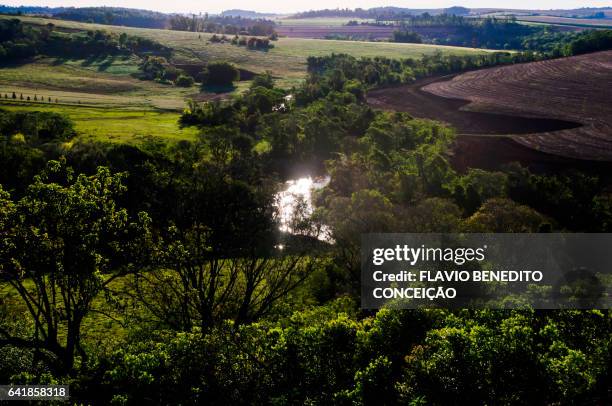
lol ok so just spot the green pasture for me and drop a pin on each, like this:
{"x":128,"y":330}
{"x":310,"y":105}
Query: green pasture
{"x":101,"y":83}
{"x":115,"y":125}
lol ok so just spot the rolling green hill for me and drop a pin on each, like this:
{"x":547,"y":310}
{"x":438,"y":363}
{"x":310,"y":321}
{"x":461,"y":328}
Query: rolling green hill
{"x":286,"y":61}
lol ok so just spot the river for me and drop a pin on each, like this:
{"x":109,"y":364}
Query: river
{"x":297,"y":195}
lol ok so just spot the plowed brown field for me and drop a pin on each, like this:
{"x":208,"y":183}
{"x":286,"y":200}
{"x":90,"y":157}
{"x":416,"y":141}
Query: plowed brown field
{"x":559,"y":108}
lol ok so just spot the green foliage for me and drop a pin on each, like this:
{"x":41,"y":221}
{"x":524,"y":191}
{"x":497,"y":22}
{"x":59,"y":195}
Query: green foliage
{"x":223,"y":24}
{"x":477,"y":186}
{"x":567,"y":44}
{"x":222,"y":74}
{"x":154,"y":67}
{"x":184,"y":81}
{"x":506,"y":216}
{"x":263,"y":80}
{"x":37,"y":127}
{"x":66,"y":240}
{"x":381,"y":71}
{"x":327,"y":356}
{"x":21,"y":41}
{"x":574,"y":199}
{"x":116,"y":16}
{"x":407,"y":36}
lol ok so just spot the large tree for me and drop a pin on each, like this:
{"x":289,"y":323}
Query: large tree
{"x":61,"y":245}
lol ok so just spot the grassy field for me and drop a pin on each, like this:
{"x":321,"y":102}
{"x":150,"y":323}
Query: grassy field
{"x":103,"y":83}
{"x":115,"y":125}
{"x":102,"y":326}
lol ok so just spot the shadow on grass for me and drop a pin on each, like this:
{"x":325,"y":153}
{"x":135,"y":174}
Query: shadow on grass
{"x":103,"y":61}
{"x":217,"y":89}
{"x":106,"y":64}
{"x":59,"y":61}
{"x":14,"y":63}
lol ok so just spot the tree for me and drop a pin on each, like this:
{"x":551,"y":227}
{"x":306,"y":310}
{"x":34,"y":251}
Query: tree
{"x":154,"y":67}
{"x":63,"y":243}
{"x":365,"y":211}
{"x":505,"y":216}
{"x":220,"y":74}
{"x":433,"y":215}
{"x":184,"y":81}
{"x":263,"y":80}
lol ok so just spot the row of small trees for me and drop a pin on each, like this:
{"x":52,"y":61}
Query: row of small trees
{"x":28,"y":98}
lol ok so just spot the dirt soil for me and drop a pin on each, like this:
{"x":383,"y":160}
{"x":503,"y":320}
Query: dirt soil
{"x":542,"y":113}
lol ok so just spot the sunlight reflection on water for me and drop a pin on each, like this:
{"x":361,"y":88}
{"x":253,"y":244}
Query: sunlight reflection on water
{"x":296,"y":193}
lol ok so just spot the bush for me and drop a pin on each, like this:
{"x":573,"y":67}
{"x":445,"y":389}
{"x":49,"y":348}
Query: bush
{"x":184,"y":81}
{"x":263,"y":80}
{"x":220,"y":74}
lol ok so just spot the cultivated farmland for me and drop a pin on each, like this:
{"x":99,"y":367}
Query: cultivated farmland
{"x":560,"y":107}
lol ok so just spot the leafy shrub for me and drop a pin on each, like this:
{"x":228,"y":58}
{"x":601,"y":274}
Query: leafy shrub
{"x":184,"y":81}
{"x":220,"y":74}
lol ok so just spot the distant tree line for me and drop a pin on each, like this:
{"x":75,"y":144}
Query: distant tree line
{"x":447,"y":29}
{"x":19,"y":41}
{"x":222,"y":25}
{"x":380,"y":71}
{"x":115,"y":16}
{"x":377,"y":13}
{"x":493,"y":33}
{"x":98,"y":15}
{"x":444,"y":19}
